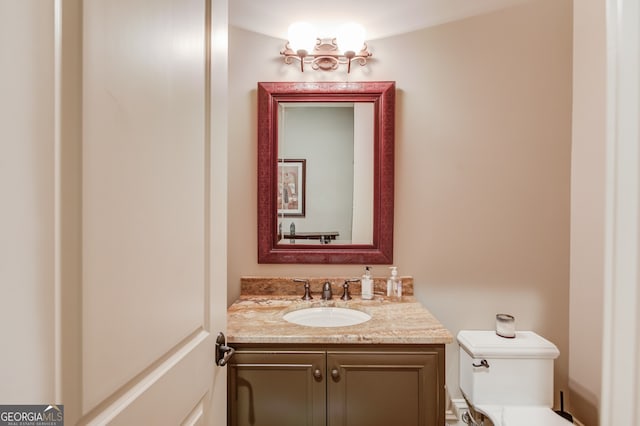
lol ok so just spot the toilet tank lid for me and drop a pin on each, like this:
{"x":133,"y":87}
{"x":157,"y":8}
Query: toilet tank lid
{"x":487,"y":344}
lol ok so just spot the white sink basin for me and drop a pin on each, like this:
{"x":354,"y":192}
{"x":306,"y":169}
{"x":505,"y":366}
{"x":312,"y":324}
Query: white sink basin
{"x":327,"y":317}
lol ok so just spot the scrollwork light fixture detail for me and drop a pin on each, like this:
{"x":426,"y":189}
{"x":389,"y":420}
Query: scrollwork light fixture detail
{"x":326,"y":54}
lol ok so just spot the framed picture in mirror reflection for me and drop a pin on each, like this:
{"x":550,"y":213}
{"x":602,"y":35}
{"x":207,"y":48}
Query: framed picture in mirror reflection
{"x":291,"y":187}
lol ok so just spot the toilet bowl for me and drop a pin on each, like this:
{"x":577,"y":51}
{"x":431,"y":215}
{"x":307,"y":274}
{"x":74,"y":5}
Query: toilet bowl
{"x":510,"y":381}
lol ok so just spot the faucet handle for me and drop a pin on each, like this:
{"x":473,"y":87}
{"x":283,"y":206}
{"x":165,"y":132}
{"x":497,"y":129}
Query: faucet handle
{"x":345,"y":294}
{"x":307,"y":288}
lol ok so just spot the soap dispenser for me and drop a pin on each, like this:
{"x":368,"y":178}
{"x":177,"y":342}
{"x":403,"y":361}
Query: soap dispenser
{"x":394,"y":286}
{"x":367,"y":284}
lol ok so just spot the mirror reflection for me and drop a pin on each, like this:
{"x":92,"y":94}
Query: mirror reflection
{"x":325,"y":173}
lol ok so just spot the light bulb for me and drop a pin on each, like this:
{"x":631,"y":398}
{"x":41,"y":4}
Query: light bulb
{"x":302,"y":36}
{"x":351,"y":37}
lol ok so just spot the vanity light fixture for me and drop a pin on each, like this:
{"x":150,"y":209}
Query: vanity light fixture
{"x":325,"y":54}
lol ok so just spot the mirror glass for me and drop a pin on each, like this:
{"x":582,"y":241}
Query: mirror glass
{"x":325,"y":172}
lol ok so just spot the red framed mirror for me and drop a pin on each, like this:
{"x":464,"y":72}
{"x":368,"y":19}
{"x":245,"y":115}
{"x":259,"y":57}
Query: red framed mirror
{"x":344,"y":133}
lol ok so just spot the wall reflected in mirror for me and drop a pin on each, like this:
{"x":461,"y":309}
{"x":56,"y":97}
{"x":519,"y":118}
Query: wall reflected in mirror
{"x":325,"y":173}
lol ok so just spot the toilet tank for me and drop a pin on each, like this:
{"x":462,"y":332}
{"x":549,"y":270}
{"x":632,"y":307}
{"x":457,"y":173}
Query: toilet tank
{"x":498,"y":371}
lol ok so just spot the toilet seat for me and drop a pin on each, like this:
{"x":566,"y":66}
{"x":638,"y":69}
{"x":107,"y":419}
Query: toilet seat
{"x":517,"y":415}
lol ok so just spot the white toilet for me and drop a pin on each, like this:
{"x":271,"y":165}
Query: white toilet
{"x":510,"y":381}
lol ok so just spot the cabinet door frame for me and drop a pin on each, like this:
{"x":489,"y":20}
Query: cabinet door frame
{"x":265,"y":361}
{"x":425,"y":366}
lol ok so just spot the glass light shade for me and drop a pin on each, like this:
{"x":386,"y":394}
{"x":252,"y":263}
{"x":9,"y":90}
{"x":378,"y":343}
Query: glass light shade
{"x":351,"y":37}
{"x":302,"y":36}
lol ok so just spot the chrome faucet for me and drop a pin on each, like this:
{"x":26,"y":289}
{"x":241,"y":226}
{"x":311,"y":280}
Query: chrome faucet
{"x":327,"y":294}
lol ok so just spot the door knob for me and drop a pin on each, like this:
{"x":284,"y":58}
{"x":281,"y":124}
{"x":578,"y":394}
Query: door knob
{"x":223,"y":352}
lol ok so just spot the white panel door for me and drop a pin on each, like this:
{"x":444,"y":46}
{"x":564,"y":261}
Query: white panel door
{"x":147,"y":293}
{"x":27,"y":261}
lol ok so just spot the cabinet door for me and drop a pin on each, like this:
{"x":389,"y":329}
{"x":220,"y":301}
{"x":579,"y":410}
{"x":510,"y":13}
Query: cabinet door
{"x":385,"y":388}
{"x":277,"y":388}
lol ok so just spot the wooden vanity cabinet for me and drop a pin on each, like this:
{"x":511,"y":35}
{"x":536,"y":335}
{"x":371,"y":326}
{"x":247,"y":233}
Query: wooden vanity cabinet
{"x":337,"y":385}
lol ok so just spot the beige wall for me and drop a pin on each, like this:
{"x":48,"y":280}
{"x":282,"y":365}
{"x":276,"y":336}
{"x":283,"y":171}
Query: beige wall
{"x":587,"y":208}
{"x":483,"y":166}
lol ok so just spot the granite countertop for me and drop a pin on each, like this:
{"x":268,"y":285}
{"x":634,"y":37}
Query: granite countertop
{"x":257,"y":318}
